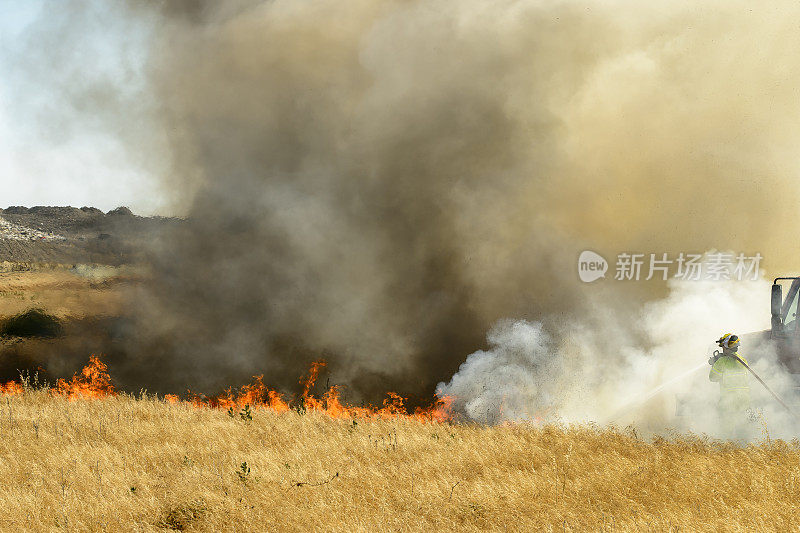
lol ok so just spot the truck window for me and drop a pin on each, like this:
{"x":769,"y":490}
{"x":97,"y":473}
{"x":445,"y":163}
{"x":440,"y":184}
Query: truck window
{"x":790,"y":307}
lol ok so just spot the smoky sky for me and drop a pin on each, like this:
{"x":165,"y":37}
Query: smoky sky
{"x":377,"y":183}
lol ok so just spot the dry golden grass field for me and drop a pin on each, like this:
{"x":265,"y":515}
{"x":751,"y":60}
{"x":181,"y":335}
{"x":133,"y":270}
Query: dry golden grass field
{"x":142,"y":464}
{"x":110,"y":462}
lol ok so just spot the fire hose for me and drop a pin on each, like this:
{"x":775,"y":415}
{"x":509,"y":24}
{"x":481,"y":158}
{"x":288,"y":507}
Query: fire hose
{"x":716,"y":354}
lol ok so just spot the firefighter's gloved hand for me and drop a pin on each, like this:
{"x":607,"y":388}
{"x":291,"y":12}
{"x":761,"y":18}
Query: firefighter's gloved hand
{"x":713,"y":358}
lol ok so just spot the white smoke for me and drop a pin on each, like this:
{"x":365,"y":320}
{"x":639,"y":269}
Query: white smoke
{"x":599,"y":373}
{"x":510,"y":380}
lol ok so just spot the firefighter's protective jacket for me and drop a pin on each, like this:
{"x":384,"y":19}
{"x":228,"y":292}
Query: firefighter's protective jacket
{"x":734,"y":386}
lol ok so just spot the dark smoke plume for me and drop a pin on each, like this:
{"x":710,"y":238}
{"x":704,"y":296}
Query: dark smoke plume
{"x":378,"y":182}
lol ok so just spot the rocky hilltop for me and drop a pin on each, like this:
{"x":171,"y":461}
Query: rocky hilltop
{"x":69,"y":235}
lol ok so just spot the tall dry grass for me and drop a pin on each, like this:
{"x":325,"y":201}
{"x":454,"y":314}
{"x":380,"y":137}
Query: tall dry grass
{"x":127,"y":464}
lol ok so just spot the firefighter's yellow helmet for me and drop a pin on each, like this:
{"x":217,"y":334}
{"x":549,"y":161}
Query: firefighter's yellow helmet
{"x":729,"y":340}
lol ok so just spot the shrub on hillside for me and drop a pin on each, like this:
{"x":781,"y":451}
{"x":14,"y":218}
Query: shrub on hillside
{"x":31,"y":323}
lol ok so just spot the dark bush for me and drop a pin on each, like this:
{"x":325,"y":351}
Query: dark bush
{"x":31,"y":323}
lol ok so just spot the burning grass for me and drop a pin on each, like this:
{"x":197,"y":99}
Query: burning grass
{"x":115,"y":462}
{"x":94,"y":381}
{"x":258,"y":395}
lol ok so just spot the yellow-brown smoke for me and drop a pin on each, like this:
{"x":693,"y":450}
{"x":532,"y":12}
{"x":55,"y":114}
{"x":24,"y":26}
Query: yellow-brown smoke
{"x":378,"y":182}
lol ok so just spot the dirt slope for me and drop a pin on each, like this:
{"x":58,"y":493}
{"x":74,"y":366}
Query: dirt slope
{"x":68,"y":235}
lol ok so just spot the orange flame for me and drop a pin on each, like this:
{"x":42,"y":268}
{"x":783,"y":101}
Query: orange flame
{"x":11,"y":388}
{"x":93,"y":382}
{"x":255,"y":394}
{"x":313,"y":374}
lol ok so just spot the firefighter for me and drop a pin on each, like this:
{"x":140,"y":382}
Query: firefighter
{"x":734,"y":388}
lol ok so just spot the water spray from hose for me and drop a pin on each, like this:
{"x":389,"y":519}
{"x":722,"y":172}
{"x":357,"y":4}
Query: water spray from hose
{"x":651,"y":394}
